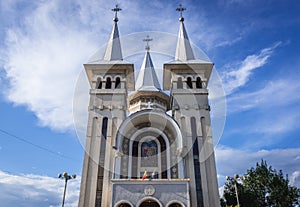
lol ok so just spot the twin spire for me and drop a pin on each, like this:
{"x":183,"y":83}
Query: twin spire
{"x":183,"y":52}
{"x":147,"y":79}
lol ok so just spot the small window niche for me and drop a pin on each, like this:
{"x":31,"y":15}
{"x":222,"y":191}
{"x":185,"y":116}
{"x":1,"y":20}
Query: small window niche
{"x":198,"y":83}
{"x":179,"y":83}
{"x":118,"y":82}
{"x":189,"y":82}
{"x":99,"y":83}
{"x":108,"y":83}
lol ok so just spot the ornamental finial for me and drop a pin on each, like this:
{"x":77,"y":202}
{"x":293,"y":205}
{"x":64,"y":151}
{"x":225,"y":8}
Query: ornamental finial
{"x":116,"y":10}
{"x":147,"y":39}
{"x":181,"y":9}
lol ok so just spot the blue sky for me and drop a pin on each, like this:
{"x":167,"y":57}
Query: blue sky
{"x":43,"y":44}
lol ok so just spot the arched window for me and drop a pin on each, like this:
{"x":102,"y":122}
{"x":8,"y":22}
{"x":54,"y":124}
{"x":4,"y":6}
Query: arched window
{"x":103,"y":138}
{"x":150,"y":154}
{"x":197,"y":161}
{"x":198,"y":83}
{"x":99,"y":83}
{"x":102,"y":158}
{"x":189,"y":82}
{"x":104,"y":127}
{"x":118,"y":83}
{"x":179,"y":83}
{"x":108,"y":83}
{"x":175,"y":205}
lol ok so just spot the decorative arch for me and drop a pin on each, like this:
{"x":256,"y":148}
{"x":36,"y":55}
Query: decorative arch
{"x":128,"y":127}
{"x":133,"y":154}
{"x":149,"y":198}
{"x":155,"y":124}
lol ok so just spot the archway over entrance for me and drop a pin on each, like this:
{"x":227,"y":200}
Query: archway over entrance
{"x":175,"y":205}
{"x":124,"y":205}
{"x":149,"y":203}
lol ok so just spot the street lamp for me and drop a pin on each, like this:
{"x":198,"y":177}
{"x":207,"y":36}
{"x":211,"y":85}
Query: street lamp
{"x":66,"y":177}
{"x":234,"y":180}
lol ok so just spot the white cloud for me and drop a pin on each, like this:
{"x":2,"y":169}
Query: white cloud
{"x":44,"y":52}
{"x":230,"y":161}
{"x":42,"y":61}
{"x":239,"y":76}
{"x":295,"y":178}
{"x":275,"y":93}
{"x":30,"y":190}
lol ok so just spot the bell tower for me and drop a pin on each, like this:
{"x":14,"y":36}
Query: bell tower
{"x":187,"y":78}
{"x":110,"y":80}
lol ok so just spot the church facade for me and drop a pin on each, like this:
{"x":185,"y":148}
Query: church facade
{"x":146,"y":147}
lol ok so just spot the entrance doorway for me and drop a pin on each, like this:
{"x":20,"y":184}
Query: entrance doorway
{"x":149,"y":203}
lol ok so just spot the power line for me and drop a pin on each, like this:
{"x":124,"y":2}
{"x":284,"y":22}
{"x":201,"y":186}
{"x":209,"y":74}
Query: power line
{"x":36,"y":145}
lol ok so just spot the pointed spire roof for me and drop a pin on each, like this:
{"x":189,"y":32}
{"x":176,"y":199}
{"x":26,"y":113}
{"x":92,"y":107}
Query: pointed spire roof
{"x":184,"y":50}
{"x":113,"y":50}
{"x":147,"y":79}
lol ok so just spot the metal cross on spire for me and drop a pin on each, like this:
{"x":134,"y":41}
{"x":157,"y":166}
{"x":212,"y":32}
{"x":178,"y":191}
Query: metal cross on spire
{"x":181,"y":9}
{"x":116,"y":10}
{"x":147,"y":39}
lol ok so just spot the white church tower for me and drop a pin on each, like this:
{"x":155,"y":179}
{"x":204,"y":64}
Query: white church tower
{"x":110,"y":79}
{"x":187,"y":79}
{"x":137,"y":154}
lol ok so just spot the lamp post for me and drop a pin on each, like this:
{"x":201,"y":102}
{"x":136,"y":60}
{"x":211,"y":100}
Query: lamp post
{"x":234,"y":180}
{"x":66,"y":177}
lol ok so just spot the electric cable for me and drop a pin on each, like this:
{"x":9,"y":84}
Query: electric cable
{"x":36,"y":145}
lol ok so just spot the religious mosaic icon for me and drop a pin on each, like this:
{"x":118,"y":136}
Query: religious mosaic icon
{"x":149,"y":154}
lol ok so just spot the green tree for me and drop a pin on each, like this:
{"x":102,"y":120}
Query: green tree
{"x":262,"y":186}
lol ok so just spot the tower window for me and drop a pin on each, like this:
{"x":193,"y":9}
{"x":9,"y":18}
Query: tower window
{"x":103,"y":138}
{"x":104,"y":127}
{"x":102,"y":158}
{"x":118,"y":83}
{"x":198,"y":83}
{"x":179,"y":83}
{"x":99,"y":83}
{"x":108,"y":83}
{"x":196,"y":163}
{"x":189,"y":82}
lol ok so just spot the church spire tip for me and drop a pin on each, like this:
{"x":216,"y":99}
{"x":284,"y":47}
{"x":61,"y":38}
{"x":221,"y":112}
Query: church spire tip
{"x":180,"y":9}
{"x":116,"y":10}
{"x":147,"y":39}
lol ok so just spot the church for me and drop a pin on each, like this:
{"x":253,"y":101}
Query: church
{"x":147,"y":144}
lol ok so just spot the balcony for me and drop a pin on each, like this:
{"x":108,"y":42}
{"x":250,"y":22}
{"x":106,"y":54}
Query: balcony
{"x":163,"y":192}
